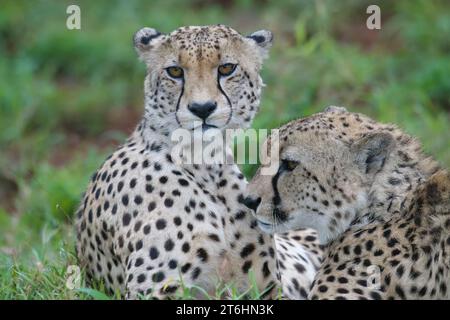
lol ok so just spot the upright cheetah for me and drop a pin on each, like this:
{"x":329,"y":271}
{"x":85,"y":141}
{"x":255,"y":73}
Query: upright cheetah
{"x":146,"y":220}
{"x":381,"y":206}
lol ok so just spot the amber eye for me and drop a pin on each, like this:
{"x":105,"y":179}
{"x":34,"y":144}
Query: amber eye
{"x":289,"y":164}
{"x":175,"y":72}
{"x":226,"y":69}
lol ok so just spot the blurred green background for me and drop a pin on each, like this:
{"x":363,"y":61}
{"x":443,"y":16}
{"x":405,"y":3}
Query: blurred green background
{"x":68,"y":97}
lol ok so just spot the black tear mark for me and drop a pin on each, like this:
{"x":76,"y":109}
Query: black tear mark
{"x":178,"y":103}
{"x":226,"y":97}
{"x":276,"y":200}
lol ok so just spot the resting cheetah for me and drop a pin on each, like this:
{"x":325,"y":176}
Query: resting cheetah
{"x":145,"y":220}
{"x":380,"y":204}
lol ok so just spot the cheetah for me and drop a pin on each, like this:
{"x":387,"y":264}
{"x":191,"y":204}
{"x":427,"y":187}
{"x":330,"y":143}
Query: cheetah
{"x":148,"y":224}
{"x":379,"y":205}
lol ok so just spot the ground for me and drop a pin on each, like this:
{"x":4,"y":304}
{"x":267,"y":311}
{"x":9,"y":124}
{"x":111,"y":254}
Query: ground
{"x":67,"y":98}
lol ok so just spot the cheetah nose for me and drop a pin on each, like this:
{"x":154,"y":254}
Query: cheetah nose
{"x":203,"y":110}
{"x":252,"y":203}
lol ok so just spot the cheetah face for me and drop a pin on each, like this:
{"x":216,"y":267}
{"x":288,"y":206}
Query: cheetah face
{"x":204,"y":77}
{"x":322,"y":182}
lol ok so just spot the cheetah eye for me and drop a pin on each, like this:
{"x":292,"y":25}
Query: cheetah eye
{"x":226,"y":69}
{"x":289,"y":165}
{"x":175,"y":72}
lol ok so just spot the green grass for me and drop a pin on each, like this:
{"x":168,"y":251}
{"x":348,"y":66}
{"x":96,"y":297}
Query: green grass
{"x":67,"y":97}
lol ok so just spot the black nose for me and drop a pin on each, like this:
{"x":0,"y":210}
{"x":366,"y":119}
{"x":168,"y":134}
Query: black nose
{"x":252,"y":203}
{"x":202,"y":110}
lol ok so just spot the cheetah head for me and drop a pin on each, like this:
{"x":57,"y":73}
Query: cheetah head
{"x":204,"y":76}
{"x":334,"y":168}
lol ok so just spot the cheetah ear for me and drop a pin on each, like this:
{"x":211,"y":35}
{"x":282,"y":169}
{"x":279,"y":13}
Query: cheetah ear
{"x":144,"y":40}
{"x":372,"y":150}
{"x":263,"y":39}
